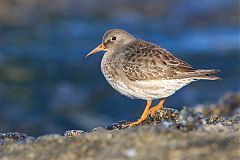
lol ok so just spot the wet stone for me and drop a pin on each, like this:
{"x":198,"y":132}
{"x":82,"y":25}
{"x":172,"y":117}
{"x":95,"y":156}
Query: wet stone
{"x":166,"y":116}
{"x":235,"y":119}
{"x":168,"y":124}
{"x":190,"y":119}
{"x":15,"y":137}
{"x":49,"y":137}
{"x":72,"y":133}
{"x":163,"y":116}
{"x":100,"y":129}
{"x":215,"y":119}
{"x":119,"y":125}
{"x":229,"y":105}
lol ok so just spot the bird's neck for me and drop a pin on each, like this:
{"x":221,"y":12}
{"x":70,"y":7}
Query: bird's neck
{"x":108,"y":57}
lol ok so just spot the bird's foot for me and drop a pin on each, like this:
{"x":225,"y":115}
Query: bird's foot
{"x":151,"y":111}
{"x":137,"y":122}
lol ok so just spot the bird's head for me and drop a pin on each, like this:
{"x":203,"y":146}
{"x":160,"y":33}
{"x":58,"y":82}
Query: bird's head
{"x":112,"y":40}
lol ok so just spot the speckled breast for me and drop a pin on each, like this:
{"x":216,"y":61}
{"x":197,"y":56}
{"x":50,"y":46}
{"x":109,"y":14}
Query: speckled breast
{"x":111,"y":69}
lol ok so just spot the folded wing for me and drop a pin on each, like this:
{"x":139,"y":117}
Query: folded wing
{"x":151,"y":62}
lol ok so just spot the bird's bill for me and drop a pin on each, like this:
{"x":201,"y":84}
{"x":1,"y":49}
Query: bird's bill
{"x":99,"y":48}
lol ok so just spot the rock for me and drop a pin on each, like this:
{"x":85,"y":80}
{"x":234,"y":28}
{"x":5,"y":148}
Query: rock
{"x":227,"y":106}
{"x":235,"y":119}
{"x":72,"y":133}
{"x":49,"y":137}
{"x":167,"y":134}
{"x":165,"y":116}
{"x":14,"y":137}
{"x":141,"y":142}
{"x":162,"y":116}
{"x":190,"y":119}
{"x":118,"y":125}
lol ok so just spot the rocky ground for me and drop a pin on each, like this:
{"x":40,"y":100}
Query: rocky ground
{"x":206,"y":132}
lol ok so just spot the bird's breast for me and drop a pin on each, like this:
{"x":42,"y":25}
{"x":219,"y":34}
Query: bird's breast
{"x":110,"y":68}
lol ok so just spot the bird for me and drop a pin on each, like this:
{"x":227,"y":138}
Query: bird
{"x":142,"y":70}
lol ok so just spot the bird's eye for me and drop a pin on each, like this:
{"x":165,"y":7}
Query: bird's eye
{"x":114,"y":38}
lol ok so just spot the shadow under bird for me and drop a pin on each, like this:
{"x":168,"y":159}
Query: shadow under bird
{"x":143,"y":70}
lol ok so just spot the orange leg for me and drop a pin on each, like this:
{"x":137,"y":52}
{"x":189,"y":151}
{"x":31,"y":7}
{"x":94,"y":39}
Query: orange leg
{"x":158,"y":106}
{"x":144,"y":115}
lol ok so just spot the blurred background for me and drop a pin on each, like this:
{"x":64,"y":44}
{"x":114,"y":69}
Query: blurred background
{"x":47,"y":87}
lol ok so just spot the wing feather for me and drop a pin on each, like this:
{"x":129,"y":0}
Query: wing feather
{"x":147,"y":61}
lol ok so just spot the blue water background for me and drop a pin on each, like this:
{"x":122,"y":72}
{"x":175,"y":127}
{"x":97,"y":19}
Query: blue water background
{"x":47,"y":87}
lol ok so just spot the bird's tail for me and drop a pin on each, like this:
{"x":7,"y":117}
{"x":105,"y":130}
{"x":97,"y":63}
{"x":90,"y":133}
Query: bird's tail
{"x":206,"y":74}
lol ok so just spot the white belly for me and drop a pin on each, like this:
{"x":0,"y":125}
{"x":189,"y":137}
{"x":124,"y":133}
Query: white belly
{"x":149,"y":90}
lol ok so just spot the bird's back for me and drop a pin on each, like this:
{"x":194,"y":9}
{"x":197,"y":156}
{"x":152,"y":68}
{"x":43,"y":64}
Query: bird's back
{"x":141,"y":60}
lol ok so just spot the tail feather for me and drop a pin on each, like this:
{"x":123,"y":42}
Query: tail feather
{"x":208,"y":71}
{"x":206,"y":74}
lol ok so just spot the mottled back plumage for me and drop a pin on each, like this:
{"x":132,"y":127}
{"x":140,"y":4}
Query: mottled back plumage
{"x":146,"y":61}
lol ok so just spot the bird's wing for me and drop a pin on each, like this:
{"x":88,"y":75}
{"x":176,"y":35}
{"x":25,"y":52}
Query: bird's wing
{"x":147,"y":61}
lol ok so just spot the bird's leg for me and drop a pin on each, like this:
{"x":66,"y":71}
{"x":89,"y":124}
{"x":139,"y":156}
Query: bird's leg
{"x":143,"y":116}
{"x":158,"y":106}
